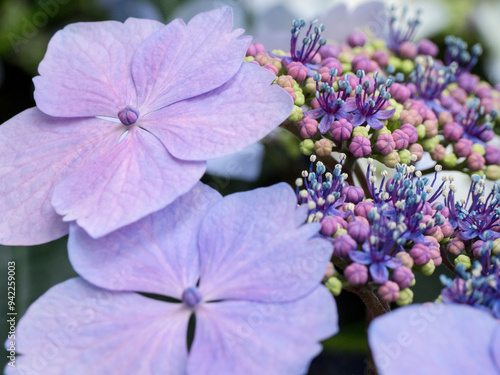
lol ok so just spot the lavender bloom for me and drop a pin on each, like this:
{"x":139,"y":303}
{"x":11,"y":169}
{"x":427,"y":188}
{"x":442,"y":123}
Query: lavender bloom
{"x":477,"y":126}
{"x":430,"y":80}
{"x":405,"y":198}
{"x":456,"y":52}
{"x":366,"y":108}
{"x":402,"y":29}
{"x":311,"y":44}
{"x":479,"y":287}
{"x":379,"y":250}
{"x":236,"y":263}
{"x":322,"y":192}
{"x":435,"y":338}
{"x":138,"y":109}
{"x":331,"y":103}
{"x":478,"y":215}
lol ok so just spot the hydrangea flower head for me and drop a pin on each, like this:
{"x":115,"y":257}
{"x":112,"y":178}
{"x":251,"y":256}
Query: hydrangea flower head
{"x":127,"y":115}
{"x":245,"y":265}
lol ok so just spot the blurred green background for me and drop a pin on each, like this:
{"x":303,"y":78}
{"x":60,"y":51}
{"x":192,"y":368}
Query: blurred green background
{"x":25,"y":30}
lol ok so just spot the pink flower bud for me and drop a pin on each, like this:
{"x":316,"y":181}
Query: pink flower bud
{"x":438,"y":153}
{"x":459,"y":95}
{"x":417,"y":150}
{"x":403,"y":277}
{"x":420,"y":254}
{"x":408,"y":51}
{"x":389,"y":291}
{"x":431,"y":129}
{"x":426,"y":47}
{"x":341,"y":130}
{"x":381,"y":58}
{"x":463,"y":147}
{"x":332,"y":62}
{"x":445,"y":117}
{"x":297,"y":70}
{"x":447,"y":229}
{"x":329,"y":226}
{"x":353,"y":194}
{"x":401,"y":139}
{"x":307,"y":127}
{"x":455,"y":246}
{"x":363,"y":208}
{"x":492,"y":154}
{"x":477,"y":246}
{"x":385,"y":143}
{"x":356,"y":274}
{"x":285,"y":81}
{"x":399,"y":92}
{"x":291,"y":92}
{"x":329,"y":50}
{"x":411,"y":132}
{"x":453,"y":131}
{"x":357,"y":39}
{"x":255,"y":48}
{"x":358,"y":230}
{"x":475,"y":161}
{"x":360,"y":146}
{"x":344,"y":244}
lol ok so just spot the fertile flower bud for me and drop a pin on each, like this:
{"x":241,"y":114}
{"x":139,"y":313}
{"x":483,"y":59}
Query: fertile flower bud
{"x":389,"y":291}
{"x":356,"y":274}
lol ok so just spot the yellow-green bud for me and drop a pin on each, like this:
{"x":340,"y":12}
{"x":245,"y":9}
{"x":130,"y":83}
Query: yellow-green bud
{"x":495,"y":250}
{"x":493,"y":172}
{"x":296,"y":86}
{"x":296,"y":115}
{"x":405,"y":156}
{"x":307,"y":146}
{"x":405,"y":297}
{"x":391,"y":159}
{"x":450,"y":160}
{"x":426,"y":269}
{"x":476,"y":147}
{"x":378,"y":43}
{"x":407,"y":66}
{"x":429,"y":144}
{"x":334,"y":285}
{"x":360,"y":130}
{"x":339,"y":232}
{"x":464,"y":259}
{"x":396,"y":62}
{"x":345,"y":57}
{"x":299,"y":98}
{"x":382,"y":130}
{"x":279,"y":52}
{"x":309,"y":86}
{"x":248,"y":58}
{"x":420,"y":131}
{"x":346,"y":66}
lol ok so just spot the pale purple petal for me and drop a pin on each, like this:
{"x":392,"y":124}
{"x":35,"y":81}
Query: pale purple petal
{"x":433,"y":338}
{"x":386,"y":114}
{"x":247,"y":338}
{"x":360,"y":257}
{"x":251,"y":248}
{"x":374,"y":123}
{"x":315,"y":113}
{"x":181,"y":62}
{"x":123,"y":182}
{"x":86,"y":70}
{"x":326,"y":123}
{"x":78,"y":329}
{"x":393,"y":262}
{"x":158,"y":254}
{"x":225,"y":120}
{"x":349,"y":105}
{"x":34,"y":150}
{"x":357,"y":120}
{"x":495,"y":347}
{"x":379,"y":272}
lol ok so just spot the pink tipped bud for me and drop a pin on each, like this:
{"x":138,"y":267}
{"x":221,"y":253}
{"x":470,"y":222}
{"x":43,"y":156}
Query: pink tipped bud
{"x":297,"y":70}
{"x":385,"y":143}
{"x":475,"y":161}
{"x":356,"y":274}
{"x":401,"y":139}
{"x":455,"y":246}
{"x":389,"y":291}
{"x":255,"y":48}
{"x":360,"y":146}
{"x":403,"y":277}
{"x":463,"y":147}
{"x":344,"y":244}
{"x":420,"y":254}
{"x":358,"y":230}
